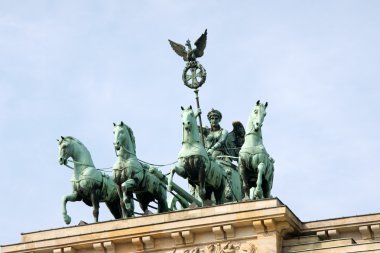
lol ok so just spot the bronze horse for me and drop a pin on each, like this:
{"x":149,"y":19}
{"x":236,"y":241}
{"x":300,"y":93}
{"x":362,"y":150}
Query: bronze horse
{"x":131,"y":176}
{"x":195,"y":164}
{"x":256,"y":166}
{"x":89,"y":184}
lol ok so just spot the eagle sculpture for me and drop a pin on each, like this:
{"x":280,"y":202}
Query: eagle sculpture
{"x":190,"y":55}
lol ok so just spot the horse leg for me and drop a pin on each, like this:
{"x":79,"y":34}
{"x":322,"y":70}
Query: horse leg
{"x":176,"y":169}
{"x":121,"y":203}
{"x":207,"y":198}
{"x":95,"y":204}
{"x":269,"y":185}
{"x":201,"y":176}
{"x":219,"y":195}
{"x":258,"y":193}
{"x":143,"y":202}
{"x":127,"y":187}
{"x":128,"y":202}
{"x":264,"y":186}
{"x":161,"y":199}
{"x":243,"y":174}
{"x":114,"y":207}
{"x":170,"y":178}
{"x":192,"y":189}
{"x":74,"y":196}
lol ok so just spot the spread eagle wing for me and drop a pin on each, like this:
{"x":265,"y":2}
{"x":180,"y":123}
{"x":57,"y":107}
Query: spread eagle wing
{"x":179,"y":49}
{"x":201,"y":45}
{"x":235,"y":139}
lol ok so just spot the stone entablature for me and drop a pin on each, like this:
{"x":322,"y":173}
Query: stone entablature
{"x":254,"y":226}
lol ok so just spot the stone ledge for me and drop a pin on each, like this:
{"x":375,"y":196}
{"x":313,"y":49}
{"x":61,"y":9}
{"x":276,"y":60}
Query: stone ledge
{"x":229,"y":217}
{"x":183,"y":215}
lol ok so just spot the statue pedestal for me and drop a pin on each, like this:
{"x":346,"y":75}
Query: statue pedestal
{"x":253,"y":226}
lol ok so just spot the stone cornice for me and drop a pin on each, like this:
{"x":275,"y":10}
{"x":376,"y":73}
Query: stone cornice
{"x":180,"y":227}
{"x":341,"y":223}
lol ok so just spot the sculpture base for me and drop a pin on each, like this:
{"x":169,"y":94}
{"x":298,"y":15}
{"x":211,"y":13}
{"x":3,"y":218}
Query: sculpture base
{"x":252,"y":226}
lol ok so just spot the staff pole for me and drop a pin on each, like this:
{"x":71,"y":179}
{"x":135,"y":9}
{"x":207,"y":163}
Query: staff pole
{"x":196,"y":91}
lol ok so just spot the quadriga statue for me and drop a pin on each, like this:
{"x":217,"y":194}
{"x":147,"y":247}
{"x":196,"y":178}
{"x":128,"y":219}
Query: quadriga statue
{"x":131,"y":176}
{"x":256,"y":166}
{"x":89,"y":184}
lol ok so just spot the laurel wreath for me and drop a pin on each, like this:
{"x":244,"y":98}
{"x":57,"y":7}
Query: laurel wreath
{"x":203,"y":74}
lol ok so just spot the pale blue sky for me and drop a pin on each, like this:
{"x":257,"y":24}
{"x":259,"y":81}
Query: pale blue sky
{"x":74,"y":67}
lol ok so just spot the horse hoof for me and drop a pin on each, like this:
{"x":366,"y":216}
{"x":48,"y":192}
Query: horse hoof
{"x":202,"y":193}
{"x":246,"y":199}
{"x":147,"y":212}
{"x":193,"y":206}
{"x":67,"y":219}
{"x":207,"y":202}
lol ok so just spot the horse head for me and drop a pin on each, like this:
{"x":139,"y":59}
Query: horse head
{"x":72,"y":147}
{"x":64,"y":150}
{"x":257,"y":116}
{"x":188,"y":118}
{"x":189,"y":124}
{"x":123,"y":137}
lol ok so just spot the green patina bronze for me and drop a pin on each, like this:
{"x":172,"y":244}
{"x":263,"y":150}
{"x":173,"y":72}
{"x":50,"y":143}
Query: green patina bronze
{"x":215,"y":135}
{"x":235,"y":140}
{"x":207,"y":159}
{"x":131,"y":176}
{"x":206,"y":173}
{"x":201,"y":160}
{"x":194,"y":75}
{"x":89,"y":184}
{"x":147,"y":182}
{"x":222,"y":146}
{"x":181,"y":199}
{"x":256,"y":166}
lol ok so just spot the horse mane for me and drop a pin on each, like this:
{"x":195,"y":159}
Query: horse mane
{"x":74,"y":139}
{"x":132,"y":138}
{"x":71,"y":138}
{"x":130,"y":132}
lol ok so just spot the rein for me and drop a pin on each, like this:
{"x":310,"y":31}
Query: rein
{"x":253,"y":131}
{"x":68,"y":166}
{"x":108,"y":169}
{"x":227,"y":156}
{"x":87,"y":165}
{"x":151,"y":164}
{"x":75,"y":162}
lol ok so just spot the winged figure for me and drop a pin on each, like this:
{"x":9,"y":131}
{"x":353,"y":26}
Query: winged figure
{"x":190,"y":54}
{"x":235,"y":139}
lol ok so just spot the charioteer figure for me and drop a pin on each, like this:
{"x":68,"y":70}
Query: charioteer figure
{"x":215,"y":136}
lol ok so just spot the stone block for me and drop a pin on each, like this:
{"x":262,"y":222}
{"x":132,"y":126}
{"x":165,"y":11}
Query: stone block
{"x":218,"y":232}
{"x":148,"y":242}
{"x":188,"y":236}
{"x":229,"y":230}
{"x":178,"y":239}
